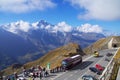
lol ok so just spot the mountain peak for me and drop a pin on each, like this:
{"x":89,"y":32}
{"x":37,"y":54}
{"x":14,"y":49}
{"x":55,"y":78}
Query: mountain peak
{"x":63,"y":27}
{"x":43,"y":22}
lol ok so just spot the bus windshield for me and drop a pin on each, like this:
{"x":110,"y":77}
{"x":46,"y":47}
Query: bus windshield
{"x":64,"y":63}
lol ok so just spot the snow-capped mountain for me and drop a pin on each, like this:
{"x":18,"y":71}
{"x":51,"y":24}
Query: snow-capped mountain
{"x":63,"y":33}
{"x":14,"y":47}
{"x":15,"y":27}
{"x":22,"y":26}
{"x":35,"y":39}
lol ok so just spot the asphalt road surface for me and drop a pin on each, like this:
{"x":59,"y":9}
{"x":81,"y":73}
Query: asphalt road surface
{"x":83,"y":69}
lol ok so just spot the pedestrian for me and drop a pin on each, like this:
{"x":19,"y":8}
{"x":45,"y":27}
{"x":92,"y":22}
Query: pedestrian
{"x":64,"y":68}
{"x":13,"y":78}
{"x":8,"y":78}
{"x":40,"y":75}
{"x":15,"y":75}
{"x":34,"y":76}
{"x":61,"y":68}
{"x":46,"y":73}
{"x":1,"y":77}
{"x":57,"y":68}
{"x":53,"y":70}
{"x":30,"y":78}
{"x":39,"y":67}
{"x":43,"y":71}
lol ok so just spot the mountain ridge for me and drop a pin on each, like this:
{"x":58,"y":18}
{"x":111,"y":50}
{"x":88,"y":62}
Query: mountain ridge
{"x":63,"y":27}
{"x":43,"y":29}
{"x":28,"y":41}
{"x":103,"y":43}
{"x":53,"y":57}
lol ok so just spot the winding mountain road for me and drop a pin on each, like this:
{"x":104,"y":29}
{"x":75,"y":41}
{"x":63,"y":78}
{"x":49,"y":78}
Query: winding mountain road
{"x":83,"y":69}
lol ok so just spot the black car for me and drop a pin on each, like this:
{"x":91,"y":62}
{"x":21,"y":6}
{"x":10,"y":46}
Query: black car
{"x":88,"y":77}
{"x":95,"y":70}
{"x":106,"y":59}
{"x":109,"y":54}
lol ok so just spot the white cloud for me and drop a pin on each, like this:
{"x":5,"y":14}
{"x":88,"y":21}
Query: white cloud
{"x":24,"y":26}
{"x":34,"y":25}
{"x":98,"y":9}
{"x":19,"y":25}
{"x":20,"y":6}
{"x":90,"y":28}
{"x":63,"y":27}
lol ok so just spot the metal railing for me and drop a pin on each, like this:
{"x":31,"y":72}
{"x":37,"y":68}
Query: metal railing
{"x":108,"y":70}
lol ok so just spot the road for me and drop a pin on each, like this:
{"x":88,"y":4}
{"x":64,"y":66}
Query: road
{"x":78,"y":71}
{"x":83,"y":68}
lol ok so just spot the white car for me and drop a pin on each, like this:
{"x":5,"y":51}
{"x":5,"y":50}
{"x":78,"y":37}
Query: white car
{"x":88,"y":77}
{"x":21,"y":78}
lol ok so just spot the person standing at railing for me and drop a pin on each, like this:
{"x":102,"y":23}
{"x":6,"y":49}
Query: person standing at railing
{"x":15,"y":75}
{"x":40,"y":75}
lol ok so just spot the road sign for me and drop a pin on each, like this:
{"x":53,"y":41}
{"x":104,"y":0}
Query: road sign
{"x":48,"y":65}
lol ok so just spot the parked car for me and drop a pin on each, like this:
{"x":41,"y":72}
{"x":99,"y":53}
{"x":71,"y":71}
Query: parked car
{"x":106,"y":59}
{"x":109,"y":54}
{"x":99,"y":67}
{"x":21,"y":78}
{"x":96,"y":54}
{"x":95,"y":70}
{"x":88,"y":77}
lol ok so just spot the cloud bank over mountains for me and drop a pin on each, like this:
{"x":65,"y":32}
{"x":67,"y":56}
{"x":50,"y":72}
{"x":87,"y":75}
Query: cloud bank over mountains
{"x":90,"y":28}
{"x":63,"y":26}
{"x":24,"y":26}
{"x":21,"y":6}
{"x":98,"y":9}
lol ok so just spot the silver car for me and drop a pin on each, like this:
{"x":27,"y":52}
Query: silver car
{"x":88,"y":77}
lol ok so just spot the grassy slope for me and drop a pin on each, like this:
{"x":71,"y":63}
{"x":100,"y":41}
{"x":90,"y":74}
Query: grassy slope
{"x":54,"y":57}
{"x":100,"y":44}
{"x":96,"y":46}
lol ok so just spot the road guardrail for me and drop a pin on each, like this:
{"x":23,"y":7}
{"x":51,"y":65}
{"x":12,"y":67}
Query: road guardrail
{"x":108,"y":70}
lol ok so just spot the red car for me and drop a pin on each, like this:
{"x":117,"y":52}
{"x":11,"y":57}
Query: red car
{"x":99,"y":67}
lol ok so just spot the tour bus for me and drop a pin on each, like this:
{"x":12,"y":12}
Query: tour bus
{"x":71,"y":61}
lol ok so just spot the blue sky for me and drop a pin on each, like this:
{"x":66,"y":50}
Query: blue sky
{"x":73,"y":12}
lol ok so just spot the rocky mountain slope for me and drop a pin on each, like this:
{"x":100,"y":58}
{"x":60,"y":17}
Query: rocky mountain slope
{"x":53,"y":57}
{"x":22,"y":42}
{"x":103,"y":44}
{"x":13,"y":47}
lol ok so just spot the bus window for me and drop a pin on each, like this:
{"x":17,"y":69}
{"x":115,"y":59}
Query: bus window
{"x":64,"y":63}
